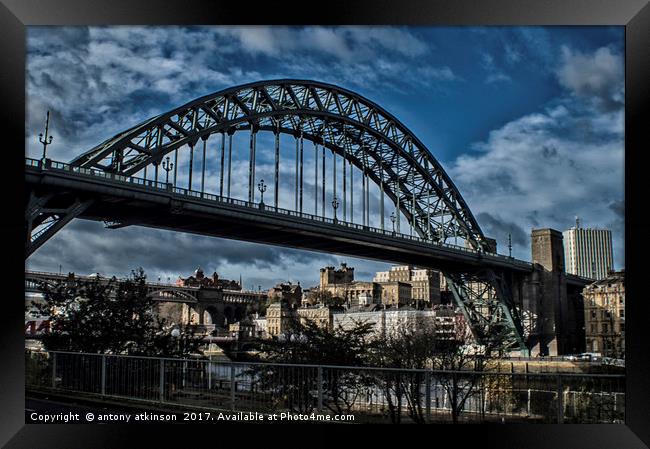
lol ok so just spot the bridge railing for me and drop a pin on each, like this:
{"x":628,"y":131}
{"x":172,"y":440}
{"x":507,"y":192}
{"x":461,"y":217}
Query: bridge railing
{"x":55,"y":165}
{"x":367,"y":394}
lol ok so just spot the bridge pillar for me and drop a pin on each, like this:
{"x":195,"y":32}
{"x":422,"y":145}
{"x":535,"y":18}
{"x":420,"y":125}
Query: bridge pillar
{"x":548,"y":290}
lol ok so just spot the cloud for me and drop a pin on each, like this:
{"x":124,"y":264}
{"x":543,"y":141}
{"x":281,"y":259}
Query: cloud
{"x":97,"y":81}
{"x":544,"y":168}
{"x":535,"y":170}
{"x":598,"y":75}
{"x":512,"y":54}
{"x":494,"y":73}
{"x":618,"y":207}
{"x":493,"y":225}
{"x":344,"y":43}
{"x":86,"y":247}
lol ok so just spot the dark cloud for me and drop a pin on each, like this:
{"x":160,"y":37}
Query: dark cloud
{"x":497,"y":228}
{"x":87,"y":247}
{"x":619,"y":208}
{"x":549,"y":152}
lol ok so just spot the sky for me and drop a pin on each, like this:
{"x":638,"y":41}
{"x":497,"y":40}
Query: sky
{"x":527,"y":121}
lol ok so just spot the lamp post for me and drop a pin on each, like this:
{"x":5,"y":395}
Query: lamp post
{"x":335,"y":205}
{"x":392,"y":219}
{"x":509,"y":245}
{"x":48,"y":139}
{"x":262,"y":188}
{"x":167,"y":166}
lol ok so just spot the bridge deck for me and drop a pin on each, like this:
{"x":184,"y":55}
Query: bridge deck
{"x":135,"y":201}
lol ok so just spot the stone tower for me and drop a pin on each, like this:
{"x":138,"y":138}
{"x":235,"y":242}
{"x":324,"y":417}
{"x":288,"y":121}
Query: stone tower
{"x":330,"y":275}
{"x":550,"y":304}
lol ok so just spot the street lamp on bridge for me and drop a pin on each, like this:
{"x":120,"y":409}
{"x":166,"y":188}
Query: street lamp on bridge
{"x":48,"y":139}
{"x":509,"y":245}
{"x":167,"y":166}
{"x":392,"y":219}
{"x":262,"y":188}
{"x":335,"y":205}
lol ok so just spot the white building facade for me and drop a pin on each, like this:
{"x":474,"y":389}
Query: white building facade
{"x":588,"y":252}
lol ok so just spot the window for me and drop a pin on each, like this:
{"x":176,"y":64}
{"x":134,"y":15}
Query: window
{"x":605,"y":327}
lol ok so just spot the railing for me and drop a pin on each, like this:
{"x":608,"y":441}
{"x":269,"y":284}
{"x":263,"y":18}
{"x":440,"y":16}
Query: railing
{"x":369,"y":394}
{"x":50,"y":164}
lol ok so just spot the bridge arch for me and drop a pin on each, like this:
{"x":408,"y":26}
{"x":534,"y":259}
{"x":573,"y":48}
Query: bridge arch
{"x":349,"y":125}
{"x":171,"y":294}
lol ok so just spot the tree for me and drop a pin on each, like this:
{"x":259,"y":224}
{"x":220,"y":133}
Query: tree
{"x":410,"y":347}
{"x":308,"y":343}
{"x":325,"y":297}
{"x":109,"y":316}
{"x":467,"y":365}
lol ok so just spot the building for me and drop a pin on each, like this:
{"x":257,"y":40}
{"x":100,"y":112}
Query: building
{"x":280,"y":317}
{"x":588,"y":252}
{"x":444,"y":319}
{"x":340,"y":283}
{"x":261,"y":329}
{"x":287,"y":292}
{"x":330,"y":276}
{"x":425,"y":283}
{"x":395,"y":293}
{"x":200,"y":280}
{"x":207,"y":303}
{"x":36,"y":324}
{"x":320,"y":315}
{"x":604,"y":304}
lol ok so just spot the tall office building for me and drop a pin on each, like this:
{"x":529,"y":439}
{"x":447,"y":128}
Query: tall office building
{"x":588,"y":252}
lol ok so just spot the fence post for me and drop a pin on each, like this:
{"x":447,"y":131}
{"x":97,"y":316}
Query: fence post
{"x":427,"y":394}
{"x":103,"y":374}
{"x":53,"y":369}
{"x":162,"y":380}
{"x":560,"y":400}
{"x":210,"y":373}
{"x":320,"y":389}
{"x":232,"y":386}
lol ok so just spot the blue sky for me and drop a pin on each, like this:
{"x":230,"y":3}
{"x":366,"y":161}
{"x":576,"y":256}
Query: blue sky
{"x":528,"y":122}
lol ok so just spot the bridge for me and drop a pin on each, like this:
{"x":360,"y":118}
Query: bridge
{"x":206,"y":307}
{"x":339,"y":142}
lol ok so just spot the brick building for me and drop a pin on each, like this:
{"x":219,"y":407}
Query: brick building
{"x":604,"y":302}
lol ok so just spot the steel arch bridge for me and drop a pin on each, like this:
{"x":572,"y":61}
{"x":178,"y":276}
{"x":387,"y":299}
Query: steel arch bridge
{"x":363,"y":136}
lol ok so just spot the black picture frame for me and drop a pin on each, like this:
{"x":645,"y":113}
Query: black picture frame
{"x":15,"y":15}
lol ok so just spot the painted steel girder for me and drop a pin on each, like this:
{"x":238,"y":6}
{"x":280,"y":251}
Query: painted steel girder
{"x":288,"y":103}
{"x":42,"y":222}
{"x":486,"y":302}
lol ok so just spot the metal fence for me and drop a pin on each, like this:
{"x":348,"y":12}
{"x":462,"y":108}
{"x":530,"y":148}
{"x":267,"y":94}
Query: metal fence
{"x":369,"y":394}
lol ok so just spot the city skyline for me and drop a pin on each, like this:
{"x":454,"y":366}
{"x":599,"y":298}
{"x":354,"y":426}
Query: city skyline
{"x":525,"y":128}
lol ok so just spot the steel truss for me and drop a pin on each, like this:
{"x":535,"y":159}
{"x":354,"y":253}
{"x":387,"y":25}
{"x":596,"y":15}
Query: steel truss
{"x":360,"y":132}
{"x":46,"y":214}
{"x":354,"y":128}
{"x":488,"y":306}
